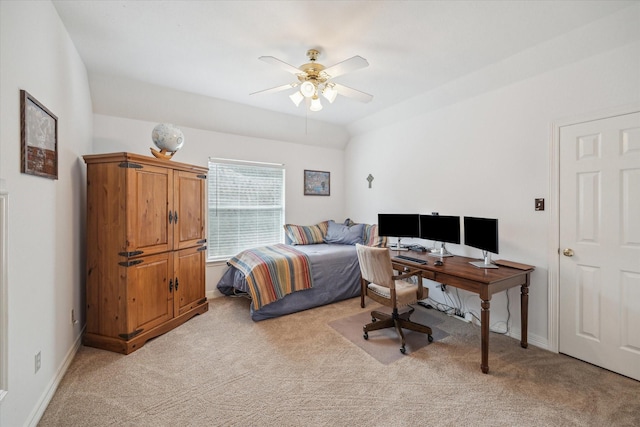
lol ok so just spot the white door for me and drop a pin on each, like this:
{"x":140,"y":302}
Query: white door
{"x":600,"y":243}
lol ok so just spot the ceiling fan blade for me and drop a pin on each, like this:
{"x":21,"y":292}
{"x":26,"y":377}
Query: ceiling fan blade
{"x":352,"y":93}
{"x":287,"y":67}
{"x":276,"y":89}
{"x":346,"y":66}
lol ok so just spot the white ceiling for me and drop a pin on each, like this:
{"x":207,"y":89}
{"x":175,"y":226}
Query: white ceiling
{"x":211,"y":48}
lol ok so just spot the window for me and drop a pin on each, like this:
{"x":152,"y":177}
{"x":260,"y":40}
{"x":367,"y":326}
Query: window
{"x":246,"y":206}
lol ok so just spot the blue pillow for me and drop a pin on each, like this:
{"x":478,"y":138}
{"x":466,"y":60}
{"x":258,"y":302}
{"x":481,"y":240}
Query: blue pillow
{"x":344,"y":235}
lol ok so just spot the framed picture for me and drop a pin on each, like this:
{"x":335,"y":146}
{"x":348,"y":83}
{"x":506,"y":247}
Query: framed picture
{"x":38,"y":138}
{"x":317,"y":183}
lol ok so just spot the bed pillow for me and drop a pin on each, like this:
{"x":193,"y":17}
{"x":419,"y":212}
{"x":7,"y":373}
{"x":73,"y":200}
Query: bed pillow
{"x":306,"y":234}
{"x":371,"y":237}
{"x":343,"y":234}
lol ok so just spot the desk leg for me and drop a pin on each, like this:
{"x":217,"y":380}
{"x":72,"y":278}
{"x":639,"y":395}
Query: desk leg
{"x":484,"y":326}
{"x":524,"y":312}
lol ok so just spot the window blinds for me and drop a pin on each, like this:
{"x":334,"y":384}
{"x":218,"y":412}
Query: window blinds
{"x":246,"y":206}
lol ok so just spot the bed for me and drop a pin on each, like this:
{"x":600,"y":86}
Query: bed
{"x":335,"y":275}
{"x":325,"y":252}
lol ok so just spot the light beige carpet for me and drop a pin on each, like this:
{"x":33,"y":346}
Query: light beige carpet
{"x":222,"y":369}
{"x":384,"y":344}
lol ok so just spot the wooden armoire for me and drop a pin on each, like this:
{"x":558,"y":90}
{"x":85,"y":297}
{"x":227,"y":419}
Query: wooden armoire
{"x":146,"y":248}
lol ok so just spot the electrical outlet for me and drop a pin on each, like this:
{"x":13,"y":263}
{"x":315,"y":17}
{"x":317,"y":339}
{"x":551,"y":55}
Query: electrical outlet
{"x":457,"y":316}
{"x":38,"y":361}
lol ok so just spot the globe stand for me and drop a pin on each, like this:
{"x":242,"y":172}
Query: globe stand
{"x":162,"y":154}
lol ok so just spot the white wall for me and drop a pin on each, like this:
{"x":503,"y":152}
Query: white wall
{"x":489,"y":155}
{"x":46,"y":217}
{"x":115,"y":134}
{"x":122,"y":97}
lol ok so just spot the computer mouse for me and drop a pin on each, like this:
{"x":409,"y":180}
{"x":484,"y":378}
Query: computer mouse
{"x":438,"y":263}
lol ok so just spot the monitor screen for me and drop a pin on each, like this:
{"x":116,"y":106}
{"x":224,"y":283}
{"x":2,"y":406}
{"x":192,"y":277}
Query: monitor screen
{"x":438,"y":228}
{"x":399,"y":225}
{"x":481,"y":233}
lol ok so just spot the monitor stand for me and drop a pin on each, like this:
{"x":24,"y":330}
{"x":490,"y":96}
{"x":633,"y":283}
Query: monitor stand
{"x":398,"y":247}
{"x":442,"y":252}
{"x":484,"y":264}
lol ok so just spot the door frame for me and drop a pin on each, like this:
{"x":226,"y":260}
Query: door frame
{"x":4,"y":306}
{"x":553,"y":248}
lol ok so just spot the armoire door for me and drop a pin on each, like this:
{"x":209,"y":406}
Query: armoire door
{"x":149,"y":202}
{"x":189,"y":208}
{"x":189,"y":266}
{"x":149,"y":290}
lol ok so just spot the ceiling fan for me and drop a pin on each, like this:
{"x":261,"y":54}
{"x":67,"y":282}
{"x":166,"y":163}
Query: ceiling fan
{"x":314,"y":79}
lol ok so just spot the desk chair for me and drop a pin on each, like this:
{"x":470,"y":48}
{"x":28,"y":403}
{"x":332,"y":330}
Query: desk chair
{"x":380,"y":284}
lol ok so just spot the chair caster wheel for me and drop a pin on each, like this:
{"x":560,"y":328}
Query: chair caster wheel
{"x":430,"y":338}
{"x":403,"y":350}
{"x":374,"y":320}
{"x":365,"y":335}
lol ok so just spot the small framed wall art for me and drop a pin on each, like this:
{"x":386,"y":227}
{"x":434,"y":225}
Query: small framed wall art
{"x":38,"y":138}
{"x":317,"y":183}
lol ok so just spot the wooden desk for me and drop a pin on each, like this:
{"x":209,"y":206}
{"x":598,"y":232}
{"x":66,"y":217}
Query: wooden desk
{"x":485,"y":282}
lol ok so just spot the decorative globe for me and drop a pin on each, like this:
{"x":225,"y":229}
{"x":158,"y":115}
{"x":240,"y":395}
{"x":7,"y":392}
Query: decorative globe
{"x":168,"y":139}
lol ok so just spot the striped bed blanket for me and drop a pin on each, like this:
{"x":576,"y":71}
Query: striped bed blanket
{"x":272,"y":272}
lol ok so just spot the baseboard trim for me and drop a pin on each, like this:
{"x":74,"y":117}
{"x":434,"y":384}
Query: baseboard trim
{"x":532,"y":339}
{"x":214,"y":294}
{"x":43,"y":402}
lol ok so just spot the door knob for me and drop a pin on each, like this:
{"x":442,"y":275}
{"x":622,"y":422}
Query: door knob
{"x":567,"y":252}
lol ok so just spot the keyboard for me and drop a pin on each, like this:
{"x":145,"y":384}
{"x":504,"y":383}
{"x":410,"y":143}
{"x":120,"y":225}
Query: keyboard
{"x":411,"y":259}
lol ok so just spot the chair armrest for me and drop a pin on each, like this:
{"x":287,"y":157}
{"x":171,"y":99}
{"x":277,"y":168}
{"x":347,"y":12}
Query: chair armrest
{"x":408,"y":273}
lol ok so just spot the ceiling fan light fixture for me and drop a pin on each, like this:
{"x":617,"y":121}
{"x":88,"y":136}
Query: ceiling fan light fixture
{"x":316,"y":105}
{"x":313,"y":79}
{"x":307,"y":89}
{"x":329,"y":93}
{"x":296,"y":97}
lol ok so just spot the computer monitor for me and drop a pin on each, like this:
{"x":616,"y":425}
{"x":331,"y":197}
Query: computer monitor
{"x":440,"y":228}
{"x":482,"y":233}
{"x":399,"y":225}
